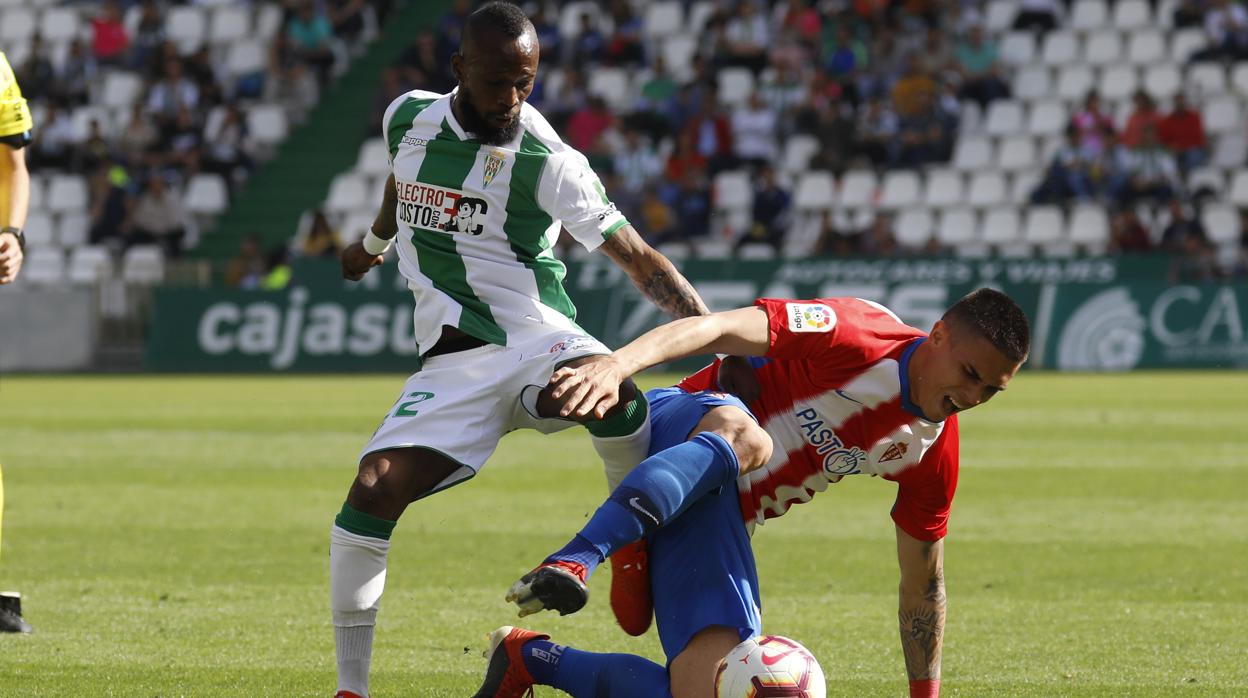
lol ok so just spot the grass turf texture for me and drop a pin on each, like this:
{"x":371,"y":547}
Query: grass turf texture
{"x":170,"y":536}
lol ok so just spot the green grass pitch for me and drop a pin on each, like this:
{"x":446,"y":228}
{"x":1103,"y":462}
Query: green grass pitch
{"x":170,"y":536}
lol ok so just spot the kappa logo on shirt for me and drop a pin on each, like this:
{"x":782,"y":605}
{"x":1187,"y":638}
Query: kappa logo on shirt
{"x":438,"y":208}
{"x":810,"y":317}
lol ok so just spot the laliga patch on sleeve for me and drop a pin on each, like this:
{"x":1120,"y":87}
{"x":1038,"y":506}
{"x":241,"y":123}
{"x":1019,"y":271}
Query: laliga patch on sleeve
{"x":810,"y":317}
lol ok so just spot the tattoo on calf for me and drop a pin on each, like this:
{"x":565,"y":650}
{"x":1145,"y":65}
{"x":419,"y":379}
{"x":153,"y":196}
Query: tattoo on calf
{"x":921,"y":631}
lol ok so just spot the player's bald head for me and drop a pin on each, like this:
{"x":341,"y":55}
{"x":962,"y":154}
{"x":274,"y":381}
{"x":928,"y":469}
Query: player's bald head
{"x":497,"y":21}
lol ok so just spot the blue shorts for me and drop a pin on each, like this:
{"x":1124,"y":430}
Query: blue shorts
{"x":702,"y":569}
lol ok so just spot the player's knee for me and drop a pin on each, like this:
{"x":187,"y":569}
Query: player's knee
{"x":748,"y":440}
{"x":388,"y":481}
{"x":693,"y":670}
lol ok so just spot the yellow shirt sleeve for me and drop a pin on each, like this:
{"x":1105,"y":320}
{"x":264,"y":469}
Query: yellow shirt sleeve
{"x":14,"y":112}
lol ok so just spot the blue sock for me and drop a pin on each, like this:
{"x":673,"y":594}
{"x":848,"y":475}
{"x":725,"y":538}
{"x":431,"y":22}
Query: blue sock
{"x":655,"y":492}
{"x":592,"y":675}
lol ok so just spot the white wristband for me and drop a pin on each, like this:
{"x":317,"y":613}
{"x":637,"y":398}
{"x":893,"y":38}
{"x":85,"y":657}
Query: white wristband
{"x":375,"y":245}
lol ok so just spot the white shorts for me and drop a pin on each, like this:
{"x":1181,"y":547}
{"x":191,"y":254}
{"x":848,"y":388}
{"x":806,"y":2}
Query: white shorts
{"x":461,"y":404}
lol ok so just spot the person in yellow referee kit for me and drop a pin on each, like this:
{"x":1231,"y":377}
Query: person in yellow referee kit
{"x":15,"y":134}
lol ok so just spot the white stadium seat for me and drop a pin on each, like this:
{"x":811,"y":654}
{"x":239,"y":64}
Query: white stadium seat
{"x":1048,"y":119}
{"x":756,"y":251}
{"x":914,"y":228}
{"x":678,"y":52}
{"x":245,"y":57}
{"x":999,"y":15}
{"x":1103,"y":48}
{"x":1221,"y":223}
{"x":1005,"y":118}
{"x":857,"y":189}
{"x":972,"y":153}
{"x":268,"y":21}
{"x":186,"y":27}
{"x":899,"y":189}
{"x":73,"y":229}
{"x":82,"y":117}
{"x":1001,"y":226}
{"x":1130,"y":15}
{"x":120,"y":89}
{"x":1032,"y":82}
{"x":374,"y":158}
{"x":59,"y":25}
{"x":38,"y":195}
{"x":662,"y":18}
{"x":67,"y":193}
{"x":1210,"y":178}
{"x":675,"y":250}
{"x":267,"y":124}
{"x":1146,"y":47}
{"x":89,"y":264}
{"x":17,"y":25}
{"x":699,"y":13}
{"x":143,"y":264}
{"x":1223,"y":115}
{"x":816,"y":190}
{"x":1018,"y":49}
{"x":1239,"y":79}
{"x":43,"y":265}
{"x":712,"y":248}
{"x":732,"y":190}
{"x":229,"y":23}
{"x":1162,"y":81}
{"x":1230,"y":151}
{"x":612,"y":85}
{"x":1017,"y":153}
{"x":1087,"y":15}
{"x":1022,"y":184}
{"x":347,"y":192}
{"x":798,"y":151}
{"x":1044,"y":225}
{"x":1089,"y":227}
{"x":40,"y":228}
{"x":944,"y":188}
{"x":1209,"y":79}
{"x":1239,"y":189}
{"x":206,"y":195}
{"x":1060,"y":48}
{"x":1074,"y":82}
{"x":735,"y":85}
{"x":987,"y":189}
{"x":1186,"y":41}
{"x":957,"y":227}
{"x":1119,"y":82}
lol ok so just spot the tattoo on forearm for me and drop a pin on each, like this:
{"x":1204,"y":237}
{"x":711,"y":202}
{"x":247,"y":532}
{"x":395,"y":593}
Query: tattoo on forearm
{"x":922,"y":632}
{"x":673,"y":294}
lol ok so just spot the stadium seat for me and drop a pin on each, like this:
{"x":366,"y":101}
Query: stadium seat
{"x":1088,"y":15}
{"x":678,"y":52}
{"x":732,"y":190}
{"x":1221,"y":223}
{"x":1017,"y":153}
{"x":143,"y":264}
{"x":89,"y":264}
{"x":229,"y":23}
{"x":1032,"y":82}
{"x":347,"y":192}
{"x":1223,"y":115}
{"x":1005,"y":118}
{"x":38,"y":195}
{"x":1184,"y":42}
{"x":570,"y":18}
{"x":59,"y":25}
{"x":374,"y":158}
{"x":1089,"y":227}
{"x":899,"y":189}
{"x":40,"y":228}
{"x":1231,"y":151}
{"x":857,"y":189}
{"x":1061,"y":48}
{"x":185,"y":26}
{"x":1000,"y":15}
{"x":1018,"y":49}
{"x":970,"y":120}
{"x":944,"y":188}
{"x":268,"y":20}
{"x":1146,"y":48}
{"x":735,"y":86}
{"x":699,"y":13}
{"x":206,"y":195}
{"x":957,"y":227}
{"x":1162,"y":81}
{"x":1130,"y":15}
{"x":120,"y":90}
{"x":662,"y":18}
{"x":1001,"y":226}
{"x":1074,"y":82}
{"x":43,"y":265}
{"x":17,"y":25}
{"x":67,"y":193}
{"x":914,"y":228}
{"x":1209,"y":79}
{"x":1119,"y":82}
{"x":798,"y":151}
{"x":713,"y":248}
{"x":1239,"y":79}
{"x":756,"y":251}
{"x":73,"y":229}
{"x":612,"y":85}
{"x":675,"y":250}
{"x":1047,"y":119}
{"x":82,"y":117}
{"x":972,"y":153}
{"x":1044,"y":225}
{"x":246,"y":57}
{"x":1103,"y":48}
{"x":816,"y":190}
{"x":267,"y":124}
{"x":1022,"y":184}
{"x":1206,"y":178}
{"x":987,"y":189}
{"x":1239,"y":189}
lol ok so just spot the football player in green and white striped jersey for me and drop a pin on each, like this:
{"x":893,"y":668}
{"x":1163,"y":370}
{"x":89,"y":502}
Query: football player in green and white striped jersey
{"x":481,"y":186}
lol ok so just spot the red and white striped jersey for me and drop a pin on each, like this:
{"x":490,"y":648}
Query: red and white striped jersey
{"x":835,"y":400}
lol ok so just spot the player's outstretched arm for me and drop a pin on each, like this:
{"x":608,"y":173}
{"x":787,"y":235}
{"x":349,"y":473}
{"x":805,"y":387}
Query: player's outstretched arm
{"x":359,"y":257}
{"x":592,"y":387}
{"x":922,"y":611}
{"x":653,"y":274}
{"x":14,"y":201}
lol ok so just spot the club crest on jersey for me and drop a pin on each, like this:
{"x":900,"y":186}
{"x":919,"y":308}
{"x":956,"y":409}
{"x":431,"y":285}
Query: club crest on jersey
{"x":438,"y":208}
{"x":894,"y":452}
{"x":837,"y":459}
{"x":493,"y":163}
{"x":810,"y":317}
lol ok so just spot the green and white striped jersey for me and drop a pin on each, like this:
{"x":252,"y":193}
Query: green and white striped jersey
{"x":477,"y":222}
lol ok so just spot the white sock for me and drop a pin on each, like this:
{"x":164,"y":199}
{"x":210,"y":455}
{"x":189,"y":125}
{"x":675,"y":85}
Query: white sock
{"x":357,"y":575}
{"x":620,"y":454}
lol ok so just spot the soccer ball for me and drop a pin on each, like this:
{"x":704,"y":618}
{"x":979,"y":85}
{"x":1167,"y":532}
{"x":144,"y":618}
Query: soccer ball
{"x":769,"y":666}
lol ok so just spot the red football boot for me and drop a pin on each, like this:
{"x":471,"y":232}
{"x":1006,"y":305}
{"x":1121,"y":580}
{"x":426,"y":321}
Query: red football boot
{"x":630,"y":589}
{"x":506,"y":676}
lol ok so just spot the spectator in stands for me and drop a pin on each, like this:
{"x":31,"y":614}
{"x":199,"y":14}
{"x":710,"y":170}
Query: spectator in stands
{"x":923,"y":134}
{"x":393,"y":83}
{"x":1127,"y":234}
{"x":915,"y":91}
{"x":878,"y":240}
{"x":980,"y":70}
{"x":691,"y":203}
{"x":277,"y":271}
{"x":1183,"y":132}
{"x":290,"y":83}
{"x":1144,"y":115}
{"x":831,"y":121}
{"x":624,"y":47}
{"x":590,"y":45}
{"x":770,"y":211}
{"x":784,"y":91}
{"x":685,"y":158}
{"x":322,"y":239}
{"x":846,"y":53}
{"x":346,"y":18}
{"x":1037,"y":15}
{"x":172,"y":94}
{"x":833,"y":241}
{"x":157,"y":217}
{"x":1197,"y":261}
{"x":138,"y":136}
{"x":797,"y":18}
{"x":754,"y":132}
{"x":450,"y":28}
{"x":110,"y":203}
{"x":247,"y":267}
{"x":149,"y":34}
{"x":659,"y":87}
{"x":94,"y":149}
{"x":78,"y":72}
{"x":657,"y":218}
{"x":36,"y":74}
{"x":201,"y":69}
{"x":712,"y":134}
{"x":937,"y":56}
{"x":876,"y":136}
{"x":548,"y":37}
{"x":1069,"y":175}
{"x":1147,"y":171}
{"x":636,"y":163}
{"x":1226,"y":25}
{"x":180,"y":142}
{"x":109,"y":38}
{"x":1095,"y":127}
{"x":571,"y":96}
{"x":747,"y":37}
{"x":1189,"y":13}
{"x":587,"y":125}
{"x":421,"y":68}
{"x":310,"y":34}
{"x":225,"y":146}
{"x":1182,"y":225}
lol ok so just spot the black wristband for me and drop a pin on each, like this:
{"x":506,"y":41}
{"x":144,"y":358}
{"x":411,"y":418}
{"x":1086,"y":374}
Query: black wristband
{"x":21,"y":236}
